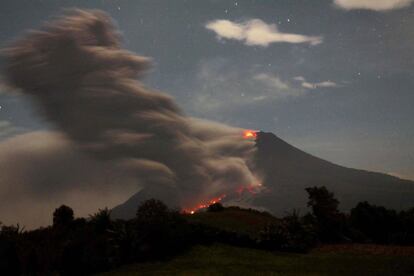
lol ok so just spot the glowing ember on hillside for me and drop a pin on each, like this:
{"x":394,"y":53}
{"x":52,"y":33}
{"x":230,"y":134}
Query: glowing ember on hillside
{"x":252,"y":189}
{"x":204,"y":205}
{"x":249,"y":134}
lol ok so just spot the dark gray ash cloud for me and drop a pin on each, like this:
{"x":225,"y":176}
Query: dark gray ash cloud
{"x":83,"y":82}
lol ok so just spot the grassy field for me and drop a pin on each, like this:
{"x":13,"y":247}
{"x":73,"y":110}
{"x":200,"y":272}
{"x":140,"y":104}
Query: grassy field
{"x":227,"y":260}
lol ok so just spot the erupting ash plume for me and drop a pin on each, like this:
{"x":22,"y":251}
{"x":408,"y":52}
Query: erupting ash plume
{"x":86,"y":84}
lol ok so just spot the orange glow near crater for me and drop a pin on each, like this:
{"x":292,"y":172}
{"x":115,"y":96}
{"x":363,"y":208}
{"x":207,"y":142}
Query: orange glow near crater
{"x":249,"y":134}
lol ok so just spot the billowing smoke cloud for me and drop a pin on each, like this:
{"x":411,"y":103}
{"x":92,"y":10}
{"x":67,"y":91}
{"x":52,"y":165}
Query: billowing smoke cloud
{"x":39,"y":171}
{"x":83,"y":82}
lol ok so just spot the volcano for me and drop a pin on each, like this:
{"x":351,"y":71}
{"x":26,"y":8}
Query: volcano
{"x":286,"y":172}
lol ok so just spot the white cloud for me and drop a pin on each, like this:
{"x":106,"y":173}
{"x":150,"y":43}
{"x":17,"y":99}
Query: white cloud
{"x":256,"y":32}
{"x":376,"y":5}
{"x":271,"y":81}
{"x":322,"y":84}
{"x":299,"y":78}
{"x":314,"y":85}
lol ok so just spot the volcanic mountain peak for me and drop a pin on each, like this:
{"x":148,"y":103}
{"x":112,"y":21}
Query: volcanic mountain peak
{"x":287,"y":171}
{"x":271,"y":147}
{"x":269,"y":139}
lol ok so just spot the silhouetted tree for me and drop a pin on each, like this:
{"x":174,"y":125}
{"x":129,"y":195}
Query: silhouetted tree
{"x":160,"y":231}
{"x":291,"y":233}
{"x":330,"y":221}
{"x":322,"y":202}
{"x":375,"y":222}
{"x":101,"y":220}
{"x":62,"y":216}
{"x":406,"y":233}
{"x":9,"y":259}
{"x":152,"y":210}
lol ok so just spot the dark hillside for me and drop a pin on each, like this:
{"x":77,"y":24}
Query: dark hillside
{"x":249,"y":222}
{"x":288,"y":171}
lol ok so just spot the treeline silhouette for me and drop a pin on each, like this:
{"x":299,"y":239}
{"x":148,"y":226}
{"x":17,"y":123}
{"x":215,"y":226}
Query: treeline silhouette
{"x":78,"y":246}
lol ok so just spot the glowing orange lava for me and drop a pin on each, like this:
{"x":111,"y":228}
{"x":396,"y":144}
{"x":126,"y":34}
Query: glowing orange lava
{"x":251,"y":189}
{"x":249,"y":134}
{"x":204,"y":205}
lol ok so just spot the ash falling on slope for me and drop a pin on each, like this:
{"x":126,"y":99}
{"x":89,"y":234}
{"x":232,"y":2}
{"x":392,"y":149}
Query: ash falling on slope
{"x":83,"y":81}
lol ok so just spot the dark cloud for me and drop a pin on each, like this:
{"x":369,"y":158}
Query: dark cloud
{"x":86,"y":85}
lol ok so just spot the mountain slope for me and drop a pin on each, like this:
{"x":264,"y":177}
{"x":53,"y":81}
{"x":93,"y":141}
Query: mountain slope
{"x":287,"y":171}
{"x":129,"y":208}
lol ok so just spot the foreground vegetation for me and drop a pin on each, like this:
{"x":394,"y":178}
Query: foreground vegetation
{"x":226,"y":260}
{"x":250,"y":238}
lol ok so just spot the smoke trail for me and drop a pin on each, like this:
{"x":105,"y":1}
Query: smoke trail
{"x":76,"y":71}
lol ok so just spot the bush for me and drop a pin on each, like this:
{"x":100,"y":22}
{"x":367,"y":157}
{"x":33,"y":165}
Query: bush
{"x":406,"y":231}
{"x":159,"y":231}
{"x":9,"y":259}
{"x":376,"y":223}
{"x":291,"y":234}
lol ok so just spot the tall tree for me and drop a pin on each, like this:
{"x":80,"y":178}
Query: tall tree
{"x":325,"y":209}
{"x":62,"y":216}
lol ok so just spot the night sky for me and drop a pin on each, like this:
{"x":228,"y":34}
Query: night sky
{"x":334,"y":78}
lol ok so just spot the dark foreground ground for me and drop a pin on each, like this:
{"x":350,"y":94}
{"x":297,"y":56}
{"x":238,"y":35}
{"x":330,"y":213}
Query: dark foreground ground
{"x":327,"y":260}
